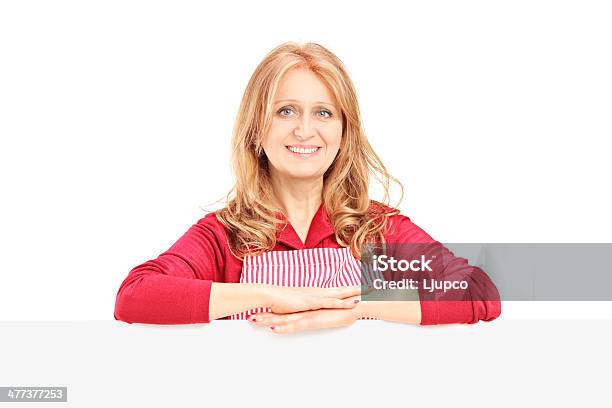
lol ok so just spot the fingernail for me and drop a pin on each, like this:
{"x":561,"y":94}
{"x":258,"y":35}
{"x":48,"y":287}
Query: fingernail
{"x":271,"y":327}
{"x":356,"y":301}
{"x":253,"y":319}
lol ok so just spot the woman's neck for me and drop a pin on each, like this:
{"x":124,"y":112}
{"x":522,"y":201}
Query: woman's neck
{"x":299,"y":198}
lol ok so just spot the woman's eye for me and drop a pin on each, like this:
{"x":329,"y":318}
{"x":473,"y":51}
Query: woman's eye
{"x":326,"y":112}
{"x":286,"y":109}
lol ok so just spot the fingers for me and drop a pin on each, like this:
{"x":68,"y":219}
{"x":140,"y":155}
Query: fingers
{"x":334,"y":292}
{"x":301,"y":321}
{"x":333,"y":303}
{"x":299,"y":299}
{"x":282,"y":323}
{"x":299,"y":325}
{"x":344,"y":291}
{"x":353,"y":299}
{"x":272,"y":319}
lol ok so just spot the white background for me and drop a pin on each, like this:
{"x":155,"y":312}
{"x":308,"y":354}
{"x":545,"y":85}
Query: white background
{"x":116,"y":117}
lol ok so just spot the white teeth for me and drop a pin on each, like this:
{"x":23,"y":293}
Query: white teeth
{"x":302,"y":150}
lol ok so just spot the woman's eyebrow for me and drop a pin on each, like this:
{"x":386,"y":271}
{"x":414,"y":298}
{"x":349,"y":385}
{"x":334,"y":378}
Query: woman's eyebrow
{"x":295,"y":100}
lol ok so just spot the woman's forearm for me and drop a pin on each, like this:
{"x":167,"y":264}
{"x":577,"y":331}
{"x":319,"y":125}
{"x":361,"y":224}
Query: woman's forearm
{"x":230,"y":298}
{"x":403,"y":311}
{"x":403,"y":308}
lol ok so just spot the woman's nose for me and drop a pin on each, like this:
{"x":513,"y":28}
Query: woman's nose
{"x":305,"y":128}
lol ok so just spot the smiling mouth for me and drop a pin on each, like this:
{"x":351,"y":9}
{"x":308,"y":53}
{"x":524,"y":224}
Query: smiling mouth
{"x":303,"y":151}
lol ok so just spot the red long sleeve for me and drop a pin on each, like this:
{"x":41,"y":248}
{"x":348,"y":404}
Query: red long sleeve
{"x":175,"y":287}
{"x":482,"y":301}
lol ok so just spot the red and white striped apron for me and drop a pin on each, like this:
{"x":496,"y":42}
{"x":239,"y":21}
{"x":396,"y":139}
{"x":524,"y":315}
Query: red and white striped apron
{"x":312,"y":267}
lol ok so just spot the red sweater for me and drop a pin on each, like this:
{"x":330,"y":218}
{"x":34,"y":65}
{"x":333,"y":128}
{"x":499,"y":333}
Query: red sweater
{"x":175,"y":287}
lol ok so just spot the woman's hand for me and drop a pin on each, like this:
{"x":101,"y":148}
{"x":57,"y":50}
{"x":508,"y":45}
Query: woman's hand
{"x":283,"y":300}
{"x":308,"y":320}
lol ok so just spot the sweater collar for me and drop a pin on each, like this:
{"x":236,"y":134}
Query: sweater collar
{"x":320,"y":228}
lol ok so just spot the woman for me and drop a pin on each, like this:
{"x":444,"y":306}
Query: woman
{"x":285,"y":250}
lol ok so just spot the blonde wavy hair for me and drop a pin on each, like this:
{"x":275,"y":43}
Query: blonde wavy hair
{"x":250,"y":214}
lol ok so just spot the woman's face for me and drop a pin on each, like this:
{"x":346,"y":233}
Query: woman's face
{"x":306,"y":128}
